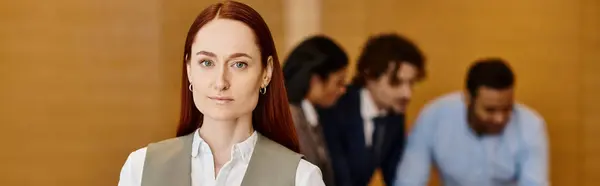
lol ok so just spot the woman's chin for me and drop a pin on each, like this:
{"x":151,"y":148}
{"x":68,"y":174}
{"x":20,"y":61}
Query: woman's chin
{"x":223,"y":115}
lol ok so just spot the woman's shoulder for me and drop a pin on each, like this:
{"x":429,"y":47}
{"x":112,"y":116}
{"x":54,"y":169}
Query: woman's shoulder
{"x":308,"y":174}
{"x":138,"y":155}
{"x":305,"y":166}
{"x":131,"y":172}
{"x":134,"y":165}
{"x":295,"y":109}
{"x":141,"y":152}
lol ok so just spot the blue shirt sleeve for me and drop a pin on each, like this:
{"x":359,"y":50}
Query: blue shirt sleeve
{"x":416,"y":162}
{"x":533,"y":165}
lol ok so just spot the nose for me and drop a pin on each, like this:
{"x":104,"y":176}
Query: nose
{"x":406,"y":91}
{"x":499,"y":118}
{"x":221,"y":80}
{"x":342,"y":89}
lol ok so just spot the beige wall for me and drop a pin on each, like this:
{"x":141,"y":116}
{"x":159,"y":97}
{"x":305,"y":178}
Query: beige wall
{"x":80,"y":89}
{"x":86,"y":82}
{"x":590,"y":99}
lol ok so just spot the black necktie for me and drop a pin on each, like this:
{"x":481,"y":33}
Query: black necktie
{"x":378,"y":138}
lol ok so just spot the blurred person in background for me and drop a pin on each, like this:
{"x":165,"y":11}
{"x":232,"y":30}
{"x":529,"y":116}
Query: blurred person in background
{"x":365,"y":129}
{"x":235,"y":127}
{"x":315,"y":74}
{"x":478,"y":137}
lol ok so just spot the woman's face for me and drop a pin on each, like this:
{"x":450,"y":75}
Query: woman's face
{"x":329,"y":91}
{"x":225,"y":70}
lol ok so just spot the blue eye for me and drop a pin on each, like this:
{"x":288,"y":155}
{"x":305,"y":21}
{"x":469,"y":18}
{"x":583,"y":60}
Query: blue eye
{"x":206,"y":63}
{"x":240,"y":65}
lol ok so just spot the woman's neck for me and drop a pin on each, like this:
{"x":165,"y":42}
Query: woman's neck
{"x":222,"y":135}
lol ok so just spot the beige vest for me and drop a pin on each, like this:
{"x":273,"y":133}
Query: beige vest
{"x":168,"y":163}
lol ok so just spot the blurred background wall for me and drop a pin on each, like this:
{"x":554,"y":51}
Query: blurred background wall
{"x":84,"y":83}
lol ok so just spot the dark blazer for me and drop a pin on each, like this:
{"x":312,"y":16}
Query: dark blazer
{"x":353,"y":162}
{"x":312,"y":144}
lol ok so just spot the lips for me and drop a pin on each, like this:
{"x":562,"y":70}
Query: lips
{"x":220,"y":99}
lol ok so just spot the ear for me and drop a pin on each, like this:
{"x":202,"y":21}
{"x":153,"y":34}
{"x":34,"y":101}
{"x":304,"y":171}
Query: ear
{"x":268,"y":72}
{"x":468,"y":98}
{"x":188,"y":69}
{"x":315,"y":80}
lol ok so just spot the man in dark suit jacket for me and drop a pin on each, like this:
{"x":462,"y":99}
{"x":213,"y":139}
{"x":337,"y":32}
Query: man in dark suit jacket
{"x":364,"y":131}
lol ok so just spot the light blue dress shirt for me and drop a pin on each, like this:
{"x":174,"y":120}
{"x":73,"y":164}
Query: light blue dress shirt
{"x":441,"y":137}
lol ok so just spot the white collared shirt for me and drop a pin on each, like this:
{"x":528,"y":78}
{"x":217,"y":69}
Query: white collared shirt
{"x":310,"y":112}
{"x":203,"y":173}
{"x":368,"y":111}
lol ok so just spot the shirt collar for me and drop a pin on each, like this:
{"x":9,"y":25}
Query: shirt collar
{"x":368,"y":109}
{"x":241,"y":150}
{"x":310,"y":113}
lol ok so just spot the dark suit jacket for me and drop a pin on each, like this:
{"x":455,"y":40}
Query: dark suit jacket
{"x":312,"y":144}
{"x":353,"y":162}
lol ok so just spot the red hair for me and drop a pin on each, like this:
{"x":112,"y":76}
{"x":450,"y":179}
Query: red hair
{"x":271,"y":117}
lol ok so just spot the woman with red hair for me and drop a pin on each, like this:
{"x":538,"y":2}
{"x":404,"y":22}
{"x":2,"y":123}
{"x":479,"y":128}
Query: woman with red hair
{"x":235,"y":126}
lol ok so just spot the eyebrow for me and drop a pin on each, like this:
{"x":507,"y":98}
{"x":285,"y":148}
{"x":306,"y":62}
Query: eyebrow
{"x":206,"y":53}
{"x":235,"y":55}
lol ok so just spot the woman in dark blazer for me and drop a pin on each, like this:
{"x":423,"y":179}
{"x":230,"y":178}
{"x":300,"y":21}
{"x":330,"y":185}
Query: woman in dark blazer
{"x":315,"y":74}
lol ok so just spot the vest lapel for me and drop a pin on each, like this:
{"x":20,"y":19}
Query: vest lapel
{"x":271,"y":164}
